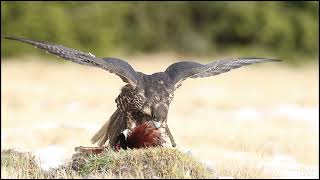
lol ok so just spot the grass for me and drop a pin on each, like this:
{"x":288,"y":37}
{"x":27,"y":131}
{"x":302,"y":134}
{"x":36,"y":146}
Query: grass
{"x":240,"y":169}
{"x":20,"y":165}
{"x":147,"y":163}
{"x":64,"y":104}
{"x":139,"y":163}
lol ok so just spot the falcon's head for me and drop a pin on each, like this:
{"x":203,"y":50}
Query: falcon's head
{"x":159,"y":114}
{"x":158,"y":111}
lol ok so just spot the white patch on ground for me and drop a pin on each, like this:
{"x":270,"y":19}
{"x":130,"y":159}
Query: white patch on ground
{"x":188,"y":152}
{"x":51,"y":125}
{"x":37,"y":106}
{"x":3,"y":137}
{"x":74,"y":106}
{"x":51,"y":157}
{"x":237,"y":155}
{"x":209,"y":165}
{"x":295,"y":112}
{"x":247,"y":113}
{"x":86,"y":126}
{"x":289,"y":111}
{"x":278,"y":166}
{"x":46,"y":125}
{"x":285,"y":166}
{"x":18,"y":132}
{"x":225,"y":177}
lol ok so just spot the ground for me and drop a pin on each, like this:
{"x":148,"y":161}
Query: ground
{"x":256,"y":121}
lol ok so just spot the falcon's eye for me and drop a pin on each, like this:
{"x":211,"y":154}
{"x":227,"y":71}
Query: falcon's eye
{"x":154,"y":117}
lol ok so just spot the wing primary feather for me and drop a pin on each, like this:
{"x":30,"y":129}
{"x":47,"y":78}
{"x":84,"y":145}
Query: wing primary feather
{"x":113,"y":65}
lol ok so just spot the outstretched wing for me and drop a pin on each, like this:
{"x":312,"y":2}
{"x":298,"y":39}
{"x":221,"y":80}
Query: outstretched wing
{"x":180,"y":71}
{"x":113,"y":65}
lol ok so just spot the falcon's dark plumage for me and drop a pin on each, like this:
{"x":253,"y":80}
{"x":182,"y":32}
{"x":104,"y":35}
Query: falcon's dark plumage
{"x":144,"y":97}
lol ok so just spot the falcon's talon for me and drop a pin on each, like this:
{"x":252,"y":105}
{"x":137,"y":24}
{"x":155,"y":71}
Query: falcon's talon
{"x":144,"y":97}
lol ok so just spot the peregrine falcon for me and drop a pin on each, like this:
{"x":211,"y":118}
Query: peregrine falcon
{"x":144,"y":97}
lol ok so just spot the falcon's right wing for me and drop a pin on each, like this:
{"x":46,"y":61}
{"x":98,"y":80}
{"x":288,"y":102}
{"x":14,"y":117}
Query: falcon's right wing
{"x":113,"y":65}
{"x":180,"y":71}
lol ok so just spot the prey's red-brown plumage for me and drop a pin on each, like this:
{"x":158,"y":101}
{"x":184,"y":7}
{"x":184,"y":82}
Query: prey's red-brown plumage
{"x":144,"y":135}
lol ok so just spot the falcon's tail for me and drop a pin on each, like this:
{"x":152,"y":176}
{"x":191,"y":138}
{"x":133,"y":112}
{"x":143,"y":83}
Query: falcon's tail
{"x":111,"y":129}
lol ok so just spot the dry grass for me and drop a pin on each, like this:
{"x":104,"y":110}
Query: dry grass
{"x":48,"y":103}
{"x":145,"y":163}
{"x":19,"y":165}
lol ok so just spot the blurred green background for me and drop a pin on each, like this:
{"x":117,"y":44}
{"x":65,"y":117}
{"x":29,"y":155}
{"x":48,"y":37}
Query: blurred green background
{"x":286,"y":30}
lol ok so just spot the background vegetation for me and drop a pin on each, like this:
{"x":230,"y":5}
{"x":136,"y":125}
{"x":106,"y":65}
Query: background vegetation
{"x":288,"y":30}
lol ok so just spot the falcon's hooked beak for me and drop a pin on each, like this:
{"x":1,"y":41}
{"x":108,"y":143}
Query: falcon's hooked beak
{"x":160,"y":115}
{"x":157,"y":124}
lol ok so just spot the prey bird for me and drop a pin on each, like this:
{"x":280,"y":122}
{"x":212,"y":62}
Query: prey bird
{"x":144,"y":98}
